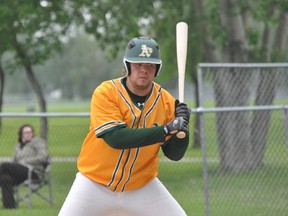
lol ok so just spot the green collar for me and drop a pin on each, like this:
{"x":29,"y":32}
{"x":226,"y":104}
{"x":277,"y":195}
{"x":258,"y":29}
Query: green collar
{"x":137,"y":100}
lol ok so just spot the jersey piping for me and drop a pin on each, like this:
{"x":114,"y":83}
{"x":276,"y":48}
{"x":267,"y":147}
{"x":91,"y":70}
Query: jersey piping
{"x":111,"y":107}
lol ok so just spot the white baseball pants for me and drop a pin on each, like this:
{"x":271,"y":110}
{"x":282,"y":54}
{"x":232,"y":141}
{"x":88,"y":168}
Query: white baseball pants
{"x":87,"y":198}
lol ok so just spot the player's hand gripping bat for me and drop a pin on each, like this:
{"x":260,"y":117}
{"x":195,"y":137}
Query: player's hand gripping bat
{"x":181,"y":48}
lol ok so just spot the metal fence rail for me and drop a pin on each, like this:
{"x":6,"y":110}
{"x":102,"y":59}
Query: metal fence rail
{"x":42,"y":114}
{"x":244,"y":135}
{"x":244,"y":127}
{"x":66,"y":132}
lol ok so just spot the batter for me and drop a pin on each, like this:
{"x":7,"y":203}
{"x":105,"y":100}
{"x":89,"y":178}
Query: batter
{"x":131,"y":119}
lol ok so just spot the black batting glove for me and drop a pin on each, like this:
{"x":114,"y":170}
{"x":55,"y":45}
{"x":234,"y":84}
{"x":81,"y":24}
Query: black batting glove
{"x":182,"y":110}
{"x":176,"y":125}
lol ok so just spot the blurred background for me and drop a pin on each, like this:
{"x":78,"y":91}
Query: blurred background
{"x":53,"y":53}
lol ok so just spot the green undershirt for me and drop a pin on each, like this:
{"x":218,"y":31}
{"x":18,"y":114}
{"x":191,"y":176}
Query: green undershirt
{"x":126,"y":138}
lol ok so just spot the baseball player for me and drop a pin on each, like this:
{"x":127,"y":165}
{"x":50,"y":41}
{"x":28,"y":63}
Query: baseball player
{"x":131,"y":119}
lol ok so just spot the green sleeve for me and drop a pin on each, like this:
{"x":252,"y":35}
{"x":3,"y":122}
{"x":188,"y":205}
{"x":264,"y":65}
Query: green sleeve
{"x":125,"y":138}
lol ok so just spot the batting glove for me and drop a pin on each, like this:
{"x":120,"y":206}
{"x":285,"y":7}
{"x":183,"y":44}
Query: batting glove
{"x":182,"y":110}
{"x":178,"y":124}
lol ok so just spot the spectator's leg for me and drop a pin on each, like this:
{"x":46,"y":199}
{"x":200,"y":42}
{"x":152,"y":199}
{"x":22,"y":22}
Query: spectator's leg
{"x":11,"y":174}
{"x":7,"y":192}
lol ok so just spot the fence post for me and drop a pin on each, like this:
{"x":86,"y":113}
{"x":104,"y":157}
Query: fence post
{"x":203,"y":143}
{"x":285,"y":122}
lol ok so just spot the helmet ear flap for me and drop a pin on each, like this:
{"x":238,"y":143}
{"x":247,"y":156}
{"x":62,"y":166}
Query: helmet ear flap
{"x":127,"y":66}
{"x":158,"y":68}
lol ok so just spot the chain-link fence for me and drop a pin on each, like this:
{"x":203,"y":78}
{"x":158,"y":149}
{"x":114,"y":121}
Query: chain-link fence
{"x":244,"y":134}
{"x":243,"y":115}
{"x":66,"y":132}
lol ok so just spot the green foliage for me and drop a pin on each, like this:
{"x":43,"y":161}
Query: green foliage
{"x":216,"y":29}
{"x":76,"y":71}
{"x":113,"y":26}
{"x":79,"y":69}
{"x":38,"y":28}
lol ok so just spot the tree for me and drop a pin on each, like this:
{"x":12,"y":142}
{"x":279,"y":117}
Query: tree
{"x":34,"y":28}
{"x":2,"y":77}
{"x":32,"y":31}
{"x":219,"y":31}
{"x":242,"y":147}
{"x":228,"y":31}
{"x":78,"y":69}
{"x":113,"y":26}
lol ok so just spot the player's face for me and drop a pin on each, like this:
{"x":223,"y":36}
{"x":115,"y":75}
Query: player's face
{"x":140,"y":79}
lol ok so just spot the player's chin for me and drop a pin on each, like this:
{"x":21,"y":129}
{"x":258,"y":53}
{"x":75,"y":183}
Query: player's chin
{"x":145,"y":81}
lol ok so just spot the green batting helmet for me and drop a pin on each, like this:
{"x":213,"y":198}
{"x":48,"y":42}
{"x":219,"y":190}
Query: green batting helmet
{"x":142,"y":50}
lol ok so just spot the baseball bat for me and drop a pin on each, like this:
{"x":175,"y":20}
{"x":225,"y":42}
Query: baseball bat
{"x":181,"y":49}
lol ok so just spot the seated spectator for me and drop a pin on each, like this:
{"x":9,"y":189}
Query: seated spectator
{"x":30,"y":153}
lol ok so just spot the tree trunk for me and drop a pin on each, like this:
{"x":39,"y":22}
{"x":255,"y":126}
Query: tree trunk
{"x":266,"y":92}
{"x":42,"y":103}
{"x":281,"y":35}
{"x":241,"y":144}
{"x":260,"y":123}
{"x":2,"y":81}
{"x":232,"y":89}
{"x":35,"y":85}
{"x":196,"y":132}
{"x":210,"y":56}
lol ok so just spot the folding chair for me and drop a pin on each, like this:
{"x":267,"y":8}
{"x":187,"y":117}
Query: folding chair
{"x":35,"y":187}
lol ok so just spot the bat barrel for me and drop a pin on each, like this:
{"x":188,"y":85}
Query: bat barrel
{"x":181,"y":49}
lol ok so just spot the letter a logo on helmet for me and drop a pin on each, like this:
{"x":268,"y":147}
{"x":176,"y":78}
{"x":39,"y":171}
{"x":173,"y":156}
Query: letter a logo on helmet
{"x":142,"y":50}
{"x":146,"y":51}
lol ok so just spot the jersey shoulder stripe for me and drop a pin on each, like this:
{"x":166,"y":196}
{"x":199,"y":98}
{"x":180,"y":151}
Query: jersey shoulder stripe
{"x":109,"y":91}
{"x":155,"y":101}
{"x":108,"y":126}
{"x":119,"y":82}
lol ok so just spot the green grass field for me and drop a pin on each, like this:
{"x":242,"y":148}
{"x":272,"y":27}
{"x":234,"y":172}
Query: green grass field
{"x":177,"y":179}
{"x":251,"y":193}
{"x":65,"y":136}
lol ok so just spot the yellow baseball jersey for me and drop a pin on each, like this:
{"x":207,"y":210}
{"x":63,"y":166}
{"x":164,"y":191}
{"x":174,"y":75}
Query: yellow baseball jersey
{"x":111,"y":107}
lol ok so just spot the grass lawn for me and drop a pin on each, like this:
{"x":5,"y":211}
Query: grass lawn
{"x":242,"y":194}
{"x":261,"y":192}
{"x":65,"y":136}
{"x":176,"y":177}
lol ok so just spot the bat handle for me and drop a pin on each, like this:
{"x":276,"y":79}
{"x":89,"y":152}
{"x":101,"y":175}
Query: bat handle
{"x":181,"y":135}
